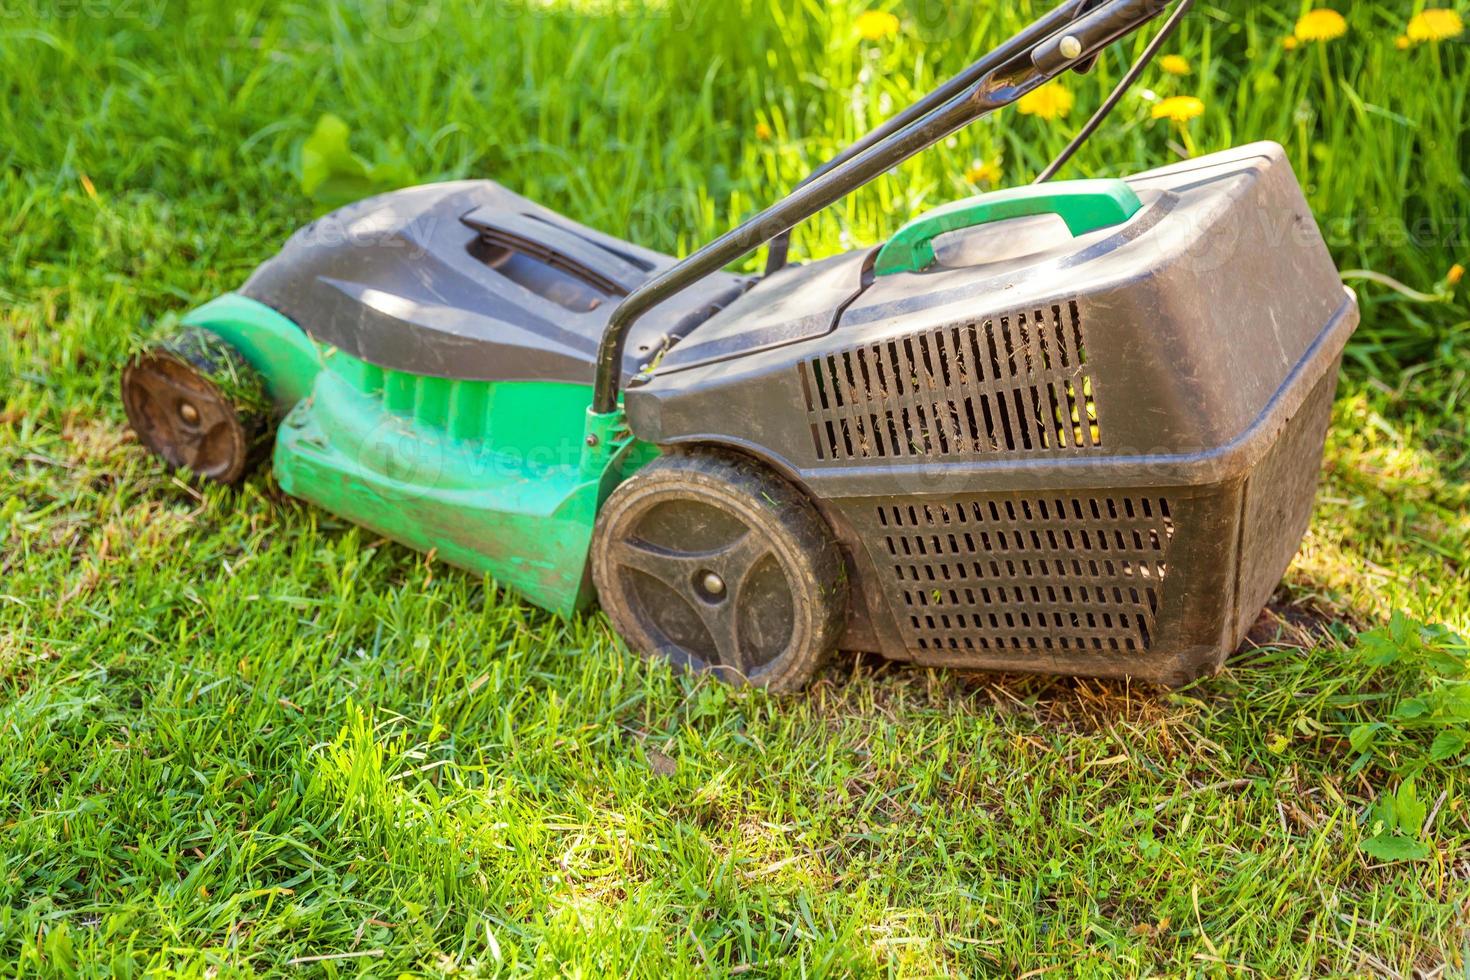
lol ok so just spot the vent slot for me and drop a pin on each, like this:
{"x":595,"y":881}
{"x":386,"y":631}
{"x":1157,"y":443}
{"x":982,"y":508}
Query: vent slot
{"x":999,"y":574}
{"x":555,"y":263}
{"x":1014,"y":384}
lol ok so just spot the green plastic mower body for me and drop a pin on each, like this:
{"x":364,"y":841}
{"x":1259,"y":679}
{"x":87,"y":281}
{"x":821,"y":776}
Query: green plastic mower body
{"x":503,"y":479}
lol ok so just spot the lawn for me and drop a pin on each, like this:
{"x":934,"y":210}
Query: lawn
{"x":238,"y":736}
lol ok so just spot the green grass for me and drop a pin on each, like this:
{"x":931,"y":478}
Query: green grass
{"x":235,"y":733}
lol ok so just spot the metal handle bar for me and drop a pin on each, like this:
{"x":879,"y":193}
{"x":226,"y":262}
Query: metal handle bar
{"x":1023,"y":72}
{"x":1024,"y":41}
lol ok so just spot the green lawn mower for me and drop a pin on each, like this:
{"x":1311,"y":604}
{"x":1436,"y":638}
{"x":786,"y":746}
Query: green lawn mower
{"x":1070,"y":428}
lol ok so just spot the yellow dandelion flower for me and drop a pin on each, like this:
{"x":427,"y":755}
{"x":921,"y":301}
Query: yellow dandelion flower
{"x":1174,"y":64}
{"x":1322,"y":24}
{"x":1181,"y":109}
{"x":1402,"y":43}
{"x":875,"y":25}
{"x":1048,"y":102}
{"x":1435,"y":25}
{"x":1457,"y":273}
{"x":985,"y":172}
{"x":1290,"y":42}
{"x":763,"y":132}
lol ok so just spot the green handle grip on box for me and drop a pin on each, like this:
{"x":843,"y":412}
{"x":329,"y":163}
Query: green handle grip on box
{"x":1085,"y":206}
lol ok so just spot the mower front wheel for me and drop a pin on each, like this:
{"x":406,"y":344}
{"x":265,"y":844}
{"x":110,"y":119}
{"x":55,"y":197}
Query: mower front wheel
{"x":198,"y":405}
{"x":714,"y":563}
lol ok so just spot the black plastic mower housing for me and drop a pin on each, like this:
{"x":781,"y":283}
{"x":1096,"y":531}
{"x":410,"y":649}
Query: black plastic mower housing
{"x":468,"y":280}
{"x":1089,"y":456}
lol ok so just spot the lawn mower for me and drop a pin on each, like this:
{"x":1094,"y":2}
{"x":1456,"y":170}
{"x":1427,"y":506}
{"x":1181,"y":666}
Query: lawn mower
{"x":1073,"y":427}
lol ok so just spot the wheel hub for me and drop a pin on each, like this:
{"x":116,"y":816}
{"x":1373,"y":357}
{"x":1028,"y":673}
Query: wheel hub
{"x":710,"y":587}
{"x":707,"y":583}
{"x":185,"y":418}
{"x":713,"y":564}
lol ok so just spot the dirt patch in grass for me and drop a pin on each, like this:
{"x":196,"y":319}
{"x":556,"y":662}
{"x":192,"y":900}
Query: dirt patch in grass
{"x":1303,"y":624}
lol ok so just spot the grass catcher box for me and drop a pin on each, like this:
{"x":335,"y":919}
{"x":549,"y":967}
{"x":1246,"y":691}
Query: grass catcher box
{"x":1092,"y":455}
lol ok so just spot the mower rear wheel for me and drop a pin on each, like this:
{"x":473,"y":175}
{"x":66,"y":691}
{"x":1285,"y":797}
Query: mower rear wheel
{"x":714,"y":563}
{"x":198,"y":405}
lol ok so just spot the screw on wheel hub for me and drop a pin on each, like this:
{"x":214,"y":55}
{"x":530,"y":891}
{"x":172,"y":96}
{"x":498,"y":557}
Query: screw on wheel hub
{"x":712,"y":586}
{"x":197,"y":405}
